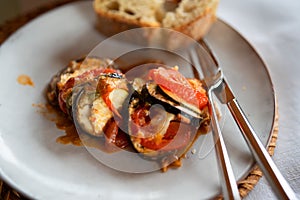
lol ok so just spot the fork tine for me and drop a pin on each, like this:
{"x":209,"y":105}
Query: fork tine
{"x":197,"y":71}
{"x":209,"y":51}
{"x":205,"y":65}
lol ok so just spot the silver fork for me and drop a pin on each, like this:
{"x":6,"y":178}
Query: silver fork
{"x":228,"y":182}
{"x":213,"y":76}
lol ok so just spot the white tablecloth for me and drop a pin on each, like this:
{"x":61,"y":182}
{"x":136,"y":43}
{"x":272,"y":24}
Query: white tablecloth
{"x":273,"y":28}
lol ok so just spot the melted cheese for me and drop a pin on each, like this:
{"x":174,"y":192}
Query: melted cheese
{"x":100,"y":114}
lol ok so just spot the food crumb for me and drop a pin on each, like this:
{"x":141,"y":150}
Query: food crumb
{"x":194,"y":151}
{"x":25,"y":80}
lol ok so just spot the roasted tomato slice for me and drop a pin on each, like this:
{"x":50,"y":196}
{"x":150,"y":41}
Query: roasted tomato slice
{"x":155,"y":129}
{"x":176,"y":83}
{"x":112,"y":87}
{"x":114,"y":137}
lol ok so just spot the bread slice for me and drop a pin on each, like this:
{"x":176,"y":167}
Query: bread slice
{"x":191,"y":17}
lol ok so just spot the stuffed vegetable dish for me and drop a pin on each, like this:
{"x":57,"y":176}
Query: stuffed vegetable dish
{"x":157,"y":114}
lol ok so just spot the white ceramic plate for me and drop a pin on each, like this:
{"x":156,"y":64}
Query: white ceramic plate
{"x":31,"y":160}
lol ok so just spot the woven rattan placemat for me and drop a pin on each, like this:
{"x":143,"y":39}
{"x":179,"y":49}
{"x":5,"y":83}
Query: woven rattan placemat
{"x":9,"y":27}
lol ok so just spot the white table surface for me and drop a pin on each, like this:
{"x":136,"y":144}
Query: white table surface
{"x":273,"y":28}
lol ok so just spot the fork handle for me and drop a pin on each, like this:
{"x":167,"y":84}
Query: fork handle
{"x":264,"y":161}
{"x":228,"y":183}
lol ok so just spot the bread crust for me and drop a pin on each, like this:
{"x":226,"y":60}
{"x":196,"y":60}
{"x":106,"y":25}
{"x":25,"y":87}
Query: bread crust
{"x":128,"y":21}
{"x":110,"y":24}
{"x":199,"y":27}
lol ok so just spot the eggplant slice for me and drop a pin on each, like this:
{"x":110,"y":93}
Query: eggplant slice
{"x":160,"y":95}
{"x":99,"y":101}
{"x":83,"y":101}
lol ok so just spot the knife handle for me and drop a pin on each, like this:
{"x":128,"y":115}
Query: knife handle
{"x":264,"y":160}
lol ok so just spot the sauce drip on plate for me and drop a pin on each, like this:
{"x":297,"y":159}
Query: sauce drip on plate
{"x":71,"y":135}
{"x":25,"y":80}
